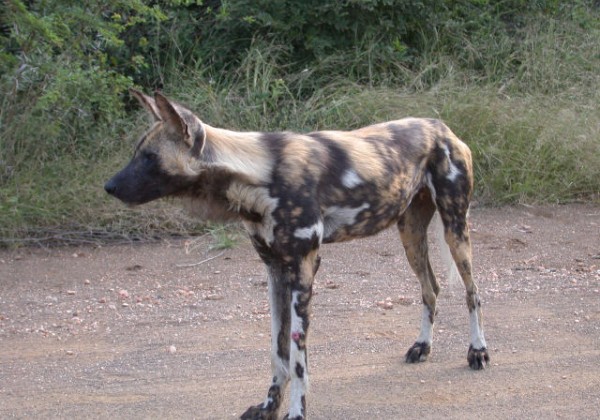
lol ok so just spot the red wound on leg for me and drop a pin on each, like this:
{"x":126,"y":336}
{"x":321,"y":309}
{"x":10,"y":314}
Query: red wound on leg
{"x":296,"y":336}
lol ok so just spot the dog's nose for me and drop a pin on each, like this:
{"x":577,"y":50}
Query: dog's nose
{"x":110,"y":187}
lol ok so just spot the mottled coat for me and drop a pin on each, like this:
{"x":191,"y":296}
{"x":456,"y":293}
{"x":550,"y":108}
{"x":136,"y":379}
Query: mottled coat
{"x":294,"y":192}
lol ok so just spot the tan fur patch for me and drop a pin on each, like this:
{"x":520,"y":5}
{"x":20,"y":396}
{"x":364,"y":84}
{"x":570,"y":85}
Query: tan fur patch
{"x":254,"y":199}
{"x":375,"y":130}
{"x":149,"y":136}
{"x":241,"y":153}
{"x":174,"y":154}
{"x":363,"y":155}
{"x":298,"y":157}
{"x":251,"y":198}
{"x":176,"y":159}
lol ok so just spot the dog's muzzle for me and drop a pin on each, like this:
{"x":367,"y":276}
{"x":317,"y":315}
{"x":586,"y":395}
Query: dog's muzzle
{"x":110,"y":187}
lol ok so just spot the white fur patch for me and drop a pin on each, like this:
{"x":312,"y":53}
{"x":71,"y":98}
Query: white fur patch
{"x":308,"y":232}
{"x":351,"y":179}
{"x":426,"y":333}
{"x":279,"y":366}
{"x":297,"y":357}
{"x":453,"y":171}
{"x":296,"y":394}
{"x":477,"y":338}
{"x":336,"y":217}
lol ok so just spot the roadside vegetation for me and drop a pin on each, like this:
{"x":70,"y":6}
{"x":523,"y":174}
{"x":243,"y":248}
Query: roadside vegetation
{"x":518,"y":80}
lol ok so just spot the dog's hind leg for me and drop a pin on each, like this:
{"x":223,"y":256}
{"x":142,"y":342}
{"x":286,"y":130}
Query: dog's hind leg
{"x":451,"y":179}
{"x":413,"y":231}
{"x":454,"y":217}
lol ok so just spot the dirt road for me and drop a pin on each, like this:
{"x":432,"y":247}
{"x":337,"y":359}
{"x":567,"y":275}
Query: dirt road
{"x":125,"y":332}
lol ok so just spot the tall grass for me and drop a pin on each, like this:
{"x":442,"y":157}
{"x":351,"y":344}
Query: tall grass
{"x":527,"y":106}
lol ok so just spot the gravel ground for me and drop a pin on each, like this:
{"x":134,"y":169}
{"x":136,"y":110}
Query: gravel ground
{"x":136,"y":332}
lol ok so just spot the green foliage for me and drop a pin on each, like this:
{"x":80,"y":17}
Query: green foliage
{"x":60,"y":79}
{"x":312,"y":31}
{"x":517,"y":79}
{"x":223,"y":236}
{"x":529,"y":148}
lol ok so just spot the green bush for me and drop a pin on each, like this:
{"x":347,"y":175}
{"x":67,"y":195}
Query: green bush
{"x":59,"y":81}
{"x":516,"y":79}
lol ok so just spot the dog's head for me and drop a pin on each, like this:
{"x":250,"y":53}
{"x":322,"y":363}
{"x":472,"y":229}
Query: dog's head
{"x":167,"y":157}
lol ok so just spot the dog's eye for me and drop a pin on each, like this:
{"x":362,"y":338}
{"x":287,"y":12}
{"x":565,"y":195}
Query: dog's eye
{"x":149,"y":157}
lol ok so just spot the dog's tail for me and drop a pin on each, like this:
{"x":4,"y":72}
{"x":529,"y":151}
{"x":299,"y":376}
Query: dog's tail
{"x":452,"y":273}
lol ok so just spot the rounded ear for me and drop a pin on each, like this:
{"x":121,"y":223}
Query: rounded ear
{"x":168,"y":113}
{"x":146,"y":102}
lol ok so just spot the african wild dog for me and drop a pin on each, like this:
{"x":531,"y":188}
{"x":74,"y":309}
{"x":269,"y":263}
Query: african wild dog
{"x":294,"y":192}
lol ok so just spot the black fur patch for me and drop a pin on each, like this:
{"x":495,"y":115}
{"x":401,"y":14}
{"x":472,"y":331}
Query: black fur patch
{"x":418,"y":353}
{"x":477,"y":358}
{"x":299,"y":370}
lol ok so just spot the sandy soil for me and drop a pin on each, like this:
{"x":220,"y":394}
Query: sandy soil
{"x":125,"y":332}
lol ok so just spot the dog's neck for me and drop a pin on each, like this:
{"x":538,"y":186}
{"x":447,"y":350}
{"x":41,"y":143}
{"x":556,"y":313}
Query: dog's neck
{"x":236,"y":168}
{"x":243,"y":154}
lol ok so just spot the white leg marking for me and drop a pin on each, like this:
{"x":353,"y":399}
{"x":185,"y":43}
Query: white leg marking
{"x":426,"y":333}
{"x":279,"y":367}
{"x":296,"y":394}
{"x":351,"y":179}
{"x":299,"y":385}
{"x":477,"y":339}
{"x":297,"y":326}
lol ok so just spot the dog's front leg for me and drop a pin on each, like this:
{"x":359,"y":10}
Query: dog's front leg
{"x":290,"y":292}
{"x":298,"y":355}
{"x":301,"y":292}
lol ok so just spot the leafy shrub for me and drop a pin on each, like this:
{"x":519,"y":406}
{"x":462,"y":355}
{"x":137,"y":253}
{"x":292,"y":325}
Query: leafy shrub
{"x":60,"y":82}
{"x":517,"y":79}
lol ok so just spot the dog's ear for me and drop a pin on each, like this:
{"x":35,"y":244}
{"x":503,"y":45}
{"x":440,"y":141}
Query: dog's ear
{"x":189,"y":129}
{"x":171,"y":117}
{"x":146,"y":102}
